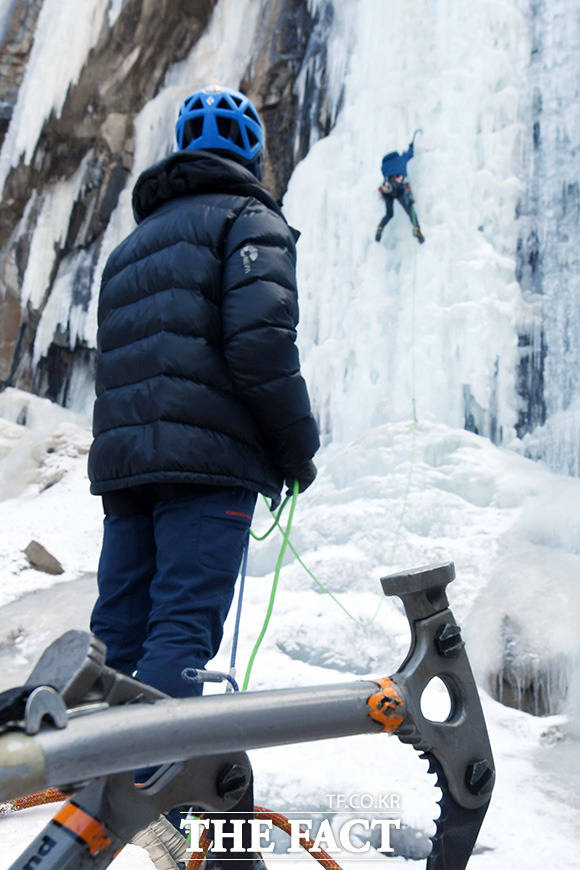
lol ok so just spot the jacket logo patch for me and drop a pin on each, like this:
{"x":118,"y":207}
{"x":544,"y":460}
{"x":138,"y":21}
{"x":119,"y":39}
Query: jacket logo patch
{"x":249,"y":255}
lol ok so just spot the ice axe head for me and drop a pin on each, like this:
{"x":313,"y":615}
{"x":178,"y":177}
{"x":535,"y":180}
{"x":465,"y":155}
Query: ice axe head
{"x":458,"y":749}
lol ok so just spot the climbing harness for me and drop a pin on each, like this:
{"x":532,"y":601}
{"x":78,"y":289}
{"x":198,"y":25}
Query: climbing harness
{"x":82,"y":728}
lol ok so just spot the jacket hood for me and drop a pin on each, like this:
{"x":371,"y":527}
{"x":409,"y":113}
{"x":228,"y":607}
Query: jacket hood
{"x":190,"y":172}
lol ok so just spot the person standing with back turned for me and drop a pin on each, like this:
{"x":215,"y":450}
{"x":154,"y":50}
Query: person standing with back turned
{"x":200,"y":402}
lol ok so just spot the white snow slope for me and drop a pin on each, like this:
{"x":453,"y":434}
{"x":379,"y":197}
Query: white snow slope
{"x":388,"y":332}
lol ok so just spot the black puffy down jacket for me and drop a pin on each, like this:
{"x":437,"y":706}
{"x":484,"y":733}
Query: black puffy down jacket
{"x":198,"y":377}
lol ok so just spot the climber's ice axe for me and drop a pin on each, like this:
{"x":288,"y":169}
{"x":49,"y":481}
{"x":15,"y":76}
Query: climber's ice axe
{"x":82,"y":727}
{"x":418,"y":130}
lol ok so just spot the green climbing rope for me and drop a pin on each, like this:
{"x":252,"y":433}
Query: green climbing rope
{"x":278,"y":568}
{"x":275,"y":523}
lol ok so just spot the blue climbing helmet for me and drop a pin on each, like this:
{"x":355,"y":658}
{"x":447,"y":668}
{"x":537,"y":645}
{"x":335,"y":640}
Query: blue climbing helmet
{"x":223,"y":120}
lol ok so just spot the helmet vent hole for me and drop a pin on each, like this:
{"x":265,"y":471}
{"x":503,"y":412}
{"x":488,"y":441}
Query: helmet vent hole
{"x":193,"y":129}
{"x":223,"y":125}
{"x":251,"y":114}
{"x":197,"y":105}
{"x":223,"y":104}
{"x":252,"y":138}
{"x":230,"y":129}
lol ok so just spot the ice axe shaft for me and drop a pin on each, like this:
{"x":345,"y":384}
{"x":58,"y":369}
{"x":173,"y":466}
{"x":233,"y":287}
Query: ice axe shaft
{"x":130,"y":736}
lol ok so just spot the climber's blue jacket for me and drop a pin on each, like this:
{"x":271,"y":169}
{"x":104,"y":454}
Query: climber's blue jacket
{"x":396,"y":164}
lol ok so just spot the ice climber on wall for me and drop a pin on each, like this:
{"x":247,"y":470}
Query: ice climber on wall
{"x":396,"y":186}
{"x":200,"y":403}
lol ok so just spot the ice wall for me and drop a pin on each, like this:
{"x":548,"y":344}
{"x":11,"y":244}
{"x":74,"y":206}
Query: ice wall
{"x":490,"y":302}
{"x":110,"y":120}
{"x":366,"y":306}
{"x":548,"y":222}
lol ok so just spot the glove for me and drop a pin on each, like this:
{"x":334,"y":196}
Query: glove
{"x":305,"y":474}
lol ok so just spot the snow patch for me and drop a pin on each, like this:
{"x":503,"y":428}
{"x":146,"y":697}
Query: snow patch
{"x":44,"y":491}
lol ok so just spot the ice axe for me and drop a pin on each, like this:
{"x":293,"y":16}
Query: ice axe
{"x":418,"y":130}
{"x":79,"y":725}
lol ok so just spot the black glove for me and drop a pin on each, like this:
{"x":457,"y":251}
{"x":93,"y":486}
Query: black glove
{"x":305,"y":474}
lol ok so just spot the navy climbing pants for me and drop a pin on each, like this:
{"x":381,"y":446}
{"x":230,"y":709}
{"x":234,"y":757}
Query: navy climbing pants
{"x":406,"y":201}
{"x":166,"y":581}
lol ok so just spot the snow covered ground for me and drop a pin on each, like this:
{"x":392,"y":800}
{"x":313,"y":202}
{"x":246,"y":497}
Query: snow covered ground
{"x":396,"y":498}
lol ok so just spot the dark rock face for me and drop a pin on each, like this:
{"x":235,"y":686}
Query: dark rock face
{"x":123,"y":72}
{"x":291,"y":46}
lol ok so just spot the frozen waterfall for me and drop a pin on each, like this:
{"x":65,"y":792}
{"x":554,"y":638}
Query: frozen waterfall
{"x":478,"y":320}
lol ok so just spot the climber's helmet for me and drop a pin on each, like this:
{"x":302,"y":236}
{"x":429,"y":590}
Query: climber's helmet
{"x":223,"y":120}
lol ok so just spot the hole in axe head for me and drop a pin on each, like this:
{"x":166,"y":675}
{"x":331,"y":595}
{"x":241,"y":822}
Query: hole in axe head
{"x":436,"y":701}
